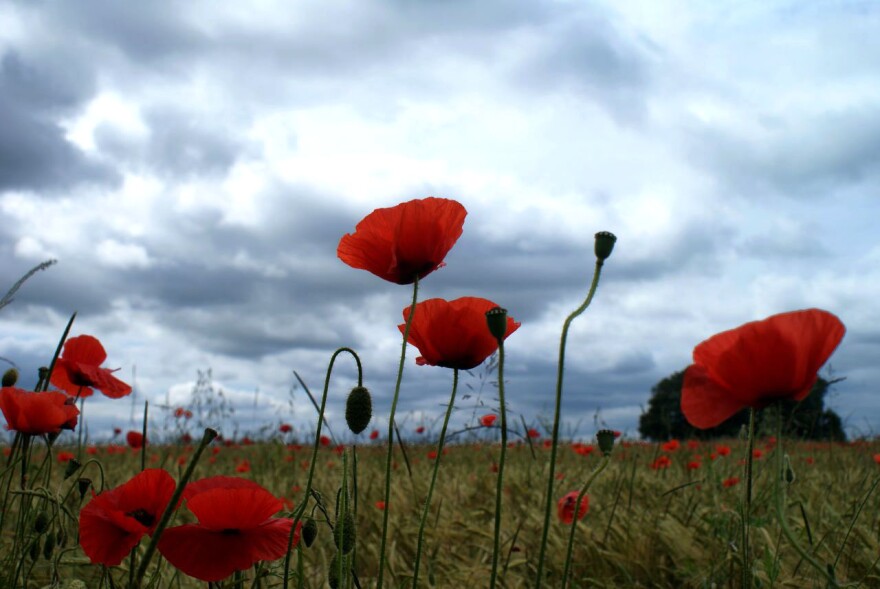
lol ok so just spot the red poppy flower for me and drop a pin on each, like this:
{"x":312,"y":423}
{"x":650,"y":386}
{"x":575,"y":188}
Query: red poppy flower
{"x":453,"y":334}
{"x":405,"y":241}
{"x":671,"y":446}
{"x":723,"y":450}
{"x":235,"y":529}
{"x":730,"y":482}
{"x":325,"y":441}
{"x":758,"y":363}
{"x":112,"y":523}
{"x":533,"y":433}
{"x":488,"y":420}
{"x":374,"y":434}
{"x":79,"y":368}
{"x":285,"y":428}
{"x":877,"y":458}
{"x":37,"y":413}
{"x":135,"y":439}
{"x":566,"y":505}
{"x":64,"y":456}
{"x":420,"y":429}
{"x":243,"y":466}
{"x":380,"y":505}
{"x":693,"y":465}
{"x":662,"y":461}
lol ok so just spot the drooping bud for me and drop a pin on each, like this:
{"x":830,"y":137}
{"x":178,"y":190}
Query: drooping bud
{"x":10,"y":377}
{"x":34,"y":549}
{"x":358,"y":409}
{"x":41,"y":522}
{"x":788,"y":475}
{"x":83,"y":486}
{"x":73,"y":465}
{"x":309,"y":531}
{"x":333,"y":573}
{"x":496,"y":319}
{"x":604,"y":245}
{"x":49,"y":546}
{"x":605,"y":438}
{"x":344,"y":533}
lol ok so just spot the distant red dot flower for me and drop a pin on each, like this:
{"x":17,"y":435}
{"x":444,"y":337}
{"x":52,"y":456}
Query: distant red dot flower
{"x":243,"y":466}
{"x":565,"y":507}
{"x":730,"y":482}
{"x":64,"y":456}
{"x":37,"y":413}
{"x":406,"y":241}
{"x":810,"y":460}
{"x":235,"y":529}
{"x":617,"y":433}
{"x":693,"y":465}
{"x":187,"y":414}
{"x":380,"y":505}
{"x":78,"y":370}
{"x":134,"y":439}
{"x":285,"y":428}
{"x":877,"y":458}
{"x":178,"y":412}
{"x":723,"y":450}
{"x":374,"y":434}
{"x":420,"y":429}
{"x":661,"y":462}
{"x":758,"y":363}
{"x":757,"y":453}
{"x":671,"y":446}
{"x":693,"y":444}
{"x":432,"y":454}
{"x":533,"y":433}
{"x":325,"y":441}
{"x":453,"y":334}
{"x":488,"y":420}
{"x":117,"y":431}
{"x":112,"y":523}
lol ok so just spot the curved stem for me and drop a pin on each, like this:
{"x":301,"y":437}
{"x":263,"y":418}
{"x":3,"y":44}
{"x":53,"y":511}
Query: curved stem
{"x":297,"y":514}
{"x":440,"y":444}
{"x":555,"y":438}
{"x":499,"y":485}
{"x":387,"y":496}
{"x":577,"y":510}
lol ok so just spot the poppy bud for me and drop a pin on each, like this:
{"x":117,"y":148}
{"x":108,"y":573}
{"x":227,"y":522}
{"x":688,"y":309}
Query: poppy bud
{"x":72,"y":466}
{"x":604,"y":245}
{"x":309,"y":531}
{"x":344,"y":533}
{"x":10,"y":377}
{"x":61,"y":537}
{"x":41,"y":522}
{"x":496,"y":319}
{"x":83,"y":486}
{"x":358,"y":409}
{"x":49,"y":546}
{"x":333,"y":573}
{"x":788,"y":475}
{"x":34,"y":549}
{"x":605,"y":438}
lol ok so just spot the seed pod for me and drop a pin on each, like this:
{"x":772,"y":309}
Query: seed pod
{"x":358,"y":409}
{"x":604,"y":245}
{"x":10,"y":377}
{"x":344,"y":533}
{"x":605,"y":437}
{"x":309,"y":531}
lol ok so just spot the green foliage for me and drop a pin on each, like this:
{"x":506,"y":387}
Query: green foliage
{"x":808,"y":419}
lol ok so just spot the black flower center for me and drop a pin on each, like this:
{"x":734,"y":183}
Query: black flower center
{"x":143,"y":517}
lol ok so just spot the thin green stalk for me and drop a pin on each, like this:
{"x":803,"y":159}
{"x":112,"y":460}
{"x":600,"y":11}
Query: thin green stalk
{"x":499,"y":485}
{"x":440,"y":445}
{"x":560,"y":369}
{"x":207,"y":437}
{"x":297,"y":514}
{"x":827,"y":572}
{"x":747,"y":505}
{"x":144,"y":437}
{"x":577,"y":509}
{"x":387,"y":496}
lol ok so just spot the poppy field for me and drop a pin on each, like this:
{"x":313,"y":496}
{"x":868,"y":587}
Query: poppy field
{"x":501,"y":503}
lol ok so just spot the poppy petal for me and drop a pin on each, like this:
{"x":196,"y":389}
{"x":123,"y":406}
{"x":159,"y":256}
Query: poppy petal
{"x":239,"y":508}
{"x":84,"y":349}
{"x":704,"y":402}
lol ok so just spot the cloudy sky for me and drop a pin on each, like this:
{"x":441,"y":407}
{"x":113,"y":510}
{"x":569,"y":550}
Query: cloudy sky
{"x":192,"y":167}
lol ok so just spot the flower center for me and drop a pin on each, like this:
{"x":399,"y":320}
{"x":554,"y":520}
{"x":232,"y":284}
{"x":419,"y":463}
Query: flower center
{"x":143,"y":517}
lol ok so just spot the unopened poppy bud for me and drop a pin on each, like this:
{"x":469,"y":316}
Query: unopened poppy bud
{"x":49,"y":546}
{"x":788,"y":472}
{"x":309,"y":531}
{"x":41,"y":522}
{"x":344,"y":533}
{"x":10,"y":377}
{"x":605,"y":438}
{"x":72,"y":466}
{"x":604,"y":245}
{"x":358,"y":409}
{"x":34,"y":549}
{"x":333,"y":573}
{"x":83,"y":486}
{"x":496,"y":319}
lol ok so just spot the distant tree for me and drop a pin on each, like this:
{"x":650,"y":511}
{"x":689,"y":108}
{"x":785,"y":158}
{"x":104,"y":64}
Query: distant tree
{"x":808,"y":419}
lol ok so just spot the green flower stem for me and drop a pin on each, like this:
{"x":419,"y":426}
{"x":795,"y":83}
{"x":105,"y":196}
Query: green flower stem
{"x":44,"y":383}
{"x":747,"y":505}
{"x":555,"y":437}
{"x":412,"y":312}
{"x":440,"y":445}
{"x":577,"y":508}
{"x":499,"y":485}
{"x":144,"y":438}
{"x":207,"y":438}
{"x":827,"y":572}
{"x":297,"y":514}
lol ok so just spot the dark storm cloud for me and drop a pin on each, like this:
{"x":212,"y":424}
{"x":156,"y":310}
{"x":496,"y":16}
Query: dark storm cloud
{"x":36,"y":91}
{"x":795,"y":157}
